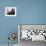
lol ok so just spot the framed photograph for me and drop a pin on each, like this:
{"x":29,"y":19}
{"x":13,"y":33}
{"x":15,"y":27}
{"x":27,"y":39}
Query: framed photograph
{"x":33,"y":32}
{"x":10,"y":11}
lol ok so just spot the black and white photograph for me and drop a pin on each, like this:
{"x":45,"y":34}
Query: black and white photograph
{"x":10,"y":11}
{"x":31,"y":34}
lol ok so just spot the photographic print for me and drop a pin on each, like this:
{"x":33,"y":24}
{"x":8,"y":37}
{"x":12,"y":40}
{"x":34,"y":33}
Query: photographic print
{"x":10,"y":11}
{"x":32,"y":32}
